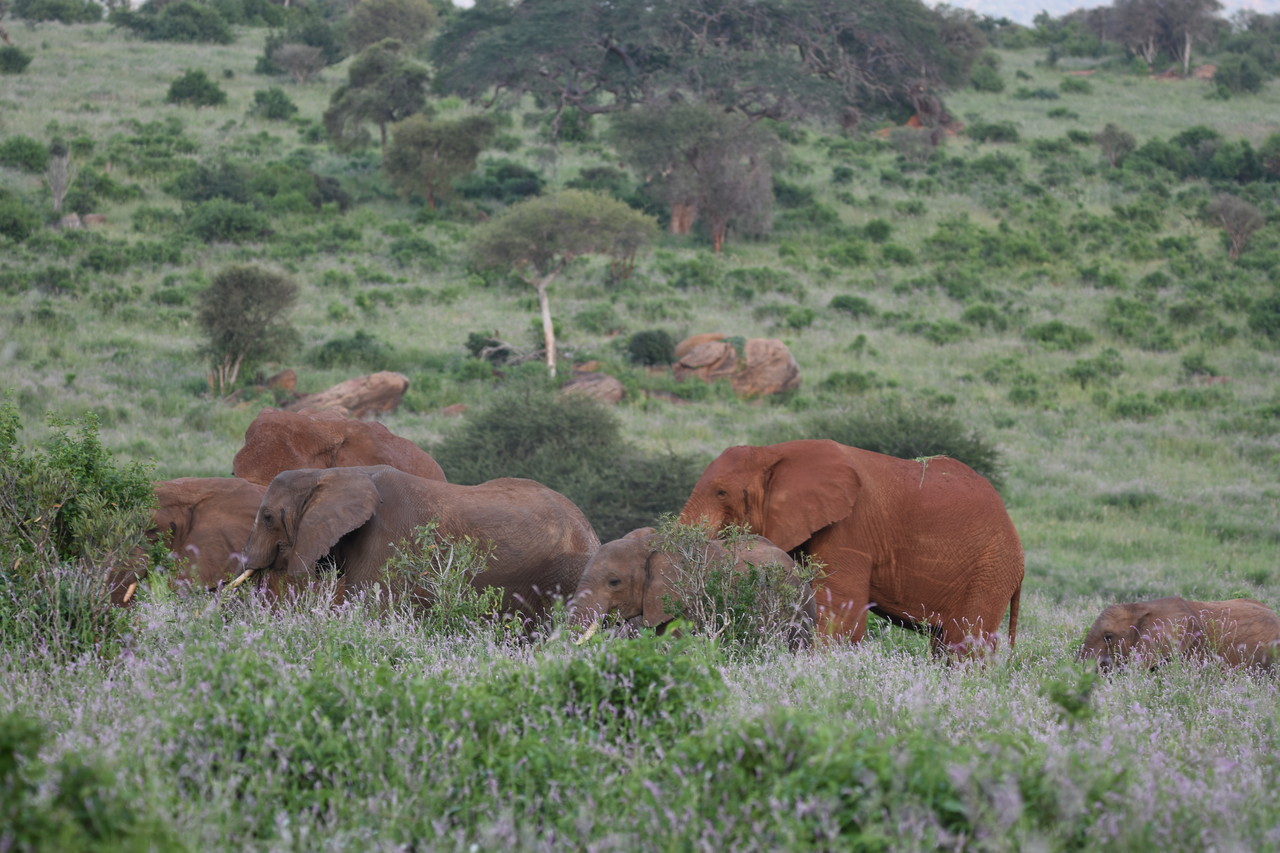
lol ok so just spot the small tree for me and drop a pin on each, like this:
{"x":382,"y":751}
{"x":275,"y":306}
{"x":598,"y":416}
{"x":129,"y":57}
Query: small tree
{"x":1115,"y":144}
{"x":299,"y":61}
{"x":59,"y":174}
{"x":371,"y":21}
{"x":1238,"y":218}
{"x":540,"y":236}
{"x":243,"y":312}
{"x":195,"y":88}
{"x":383,"y":86}
{"x":425,"y":156}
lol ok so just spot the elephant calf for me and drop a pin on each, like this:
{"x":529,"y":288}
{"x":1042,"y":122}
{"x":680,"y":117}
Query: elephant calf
{"x":633,"y":575}
{"x":1242,"y":632}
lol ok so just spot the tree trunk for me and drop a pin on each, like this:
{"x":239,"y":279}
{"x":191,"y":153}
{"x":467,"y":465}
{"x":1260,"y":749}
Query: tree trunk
{"x":548,"y":328}
{"x":719,"y":227}
{"x":682,"y":216}
{"x":1186,"y":54}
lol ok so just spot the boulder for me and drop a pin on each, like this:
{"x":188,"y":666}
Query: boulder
{"x":764,"y":366}
{"x":601,"y":386}
{"x":364,"y":396}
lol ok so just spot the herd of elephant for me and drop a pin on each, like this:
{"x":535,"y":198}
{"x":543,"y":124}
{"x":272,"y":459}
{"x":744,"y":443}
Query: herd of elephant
{"x":924,"y":543}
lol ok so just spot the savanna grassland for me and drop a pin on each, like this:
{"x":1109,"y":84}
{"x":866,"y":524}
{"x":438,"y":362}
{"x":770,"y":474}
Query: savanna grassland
{"x":1084,"y":321}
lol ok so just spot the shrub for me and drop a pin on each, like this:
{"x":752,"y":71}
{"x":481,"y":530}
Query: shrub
{"x":985,"y":316}
{"x":1075,"y":86}
{"x":856,"y":306}
{"x":360,"y":350}
{"x":1238,"y":74}
{"x":1097,"y":370}
{"x":572,"y":444}
{"x":895,"y":427}
{"x":220,"y":220}
{"x":25,"y":153}
{"x":194,"y":88}
{"x":1264,"y":317}
{"x":180,"y":21}
{"x":63,"y":11}
{"x":1000,"y":131}
{"x":17,"y":220}
{"x":244,"y":316}
{"x":13,"y":59}
{"x":445,"y":570}
{"x":1058,"y":335}
{"x":504,"y":181}
{"x":878,"y":230}
{"x":895,"y":254}
{"x":273,"y":104}
{"x":986,"y":78}
{"x":304,"y":31}
{"x":651,"y":347}
{"x":1135,"y":321}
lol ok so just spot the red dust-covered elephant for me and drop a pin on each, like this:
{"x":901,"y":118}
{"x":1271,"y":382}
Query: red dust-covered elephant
{"x":286,"y":441}
{"x":924,"y":543}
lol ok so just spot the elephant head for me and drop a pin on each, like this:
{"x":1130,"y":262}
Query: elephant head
{"x":284,"y":441}
{"x":639,"y":575}
{"x":784,"y":492}
{"x":332,"y":502}
{"x":1152,"y":630}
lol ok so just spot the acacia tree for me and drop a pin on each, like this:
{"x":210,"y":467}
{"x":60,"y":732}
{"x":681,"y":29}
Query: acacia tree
{"x":540,"y":236}
{"x":702,"y":161}
{"x":370,"y":21}
{"x":1238,"y":218}
{"x":763,"y":58}
{"x":426,"y":156}
{"x":243,"y":313}
{"x":383,"y":86}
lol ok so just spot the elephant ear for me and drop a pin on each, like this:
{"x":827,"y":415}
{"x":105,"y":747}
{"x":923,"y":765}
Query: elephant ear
{"x":656,"y":587}
{"x":808,"y":486}
{"x":339,"y":501}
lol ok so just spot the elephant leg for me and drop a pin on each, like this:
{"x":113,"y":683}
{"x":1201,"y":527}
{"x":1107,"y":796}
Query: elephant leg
{"x":844,"y":597}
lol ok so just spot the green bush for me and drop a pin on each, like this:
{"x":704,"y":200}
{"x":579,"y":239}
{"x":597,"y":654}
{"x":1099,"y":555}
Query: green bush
{"x":985,"y":316}
{"x":1264,"y":317}
{"x":13,"y":59}
{"x":651,"y":347}
{"x":273,"y":104}
{"x":69,"y":514}
{"x":1238,"y":74}
{"x":23,"y":152}
{"x":244,"y":315}
{"x":900,"y":255}
{"x":220,"y":220}
{"x":1075,"y":86}
{"x":878,"y":230}
{"x":63,"y":11}
{"x":180,"y":21}
{"x":1000,"y":131}
{"x":17,"y":220}
{"x":986,"y":78}
{"x":572,"y":444}
{"x":856,"y":306}
{"x":1134,"y":321}
{"x":360,"y":350}
{"x":1105,"y":366}
{"x":504,"y":181}
{"x":194,"y":88}
{"x":73,"y":803}
{"x":307,"y":29}
{"x":1058,"y":335}
{"x":895,"y":427}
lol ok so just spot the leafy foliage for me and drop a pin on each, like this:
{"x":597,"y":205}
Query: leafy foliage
{"x":23,"y":152}
{"x":371,"y":21}
{"x":383,"y":86}
{"x":194,"y":88}
{"x":572,"y":444}
{"x":63,"y":11}
{"x":13,"y":59}
{"x":243,"y":313}
{"x":425,"y":156}
{"x":274,"y":104}
{"x":180,"y":21}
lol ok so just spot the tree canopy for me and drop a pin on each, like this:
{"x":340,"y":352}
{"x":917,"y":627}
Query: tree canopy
{"x":538,"y":237}
{"x":764,"y":58}
{"x":425,"y":156}
{"x":383,"y":86}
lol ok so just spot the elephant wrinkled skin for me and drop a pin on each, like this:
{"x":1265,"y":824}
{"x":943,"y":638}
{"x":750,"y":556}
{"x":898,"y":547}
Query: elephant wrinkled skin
{"x":924,"y":543}
{"x":540,"y":541}
{"x":285,"y":441}
{"x":204,"y":521}
{"x":1241,"y":631}
{"x":633,"y":575}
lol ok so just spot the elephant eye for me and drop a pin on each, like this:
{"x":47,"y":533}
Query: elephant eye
{"x":721,"y":494}
{"x":1108,"y":638}
{"x":615,"y":582}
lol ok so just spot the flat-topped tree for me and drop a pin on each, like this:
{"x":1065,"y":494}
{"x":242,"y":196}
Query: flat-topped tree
{"x":538,"y":237}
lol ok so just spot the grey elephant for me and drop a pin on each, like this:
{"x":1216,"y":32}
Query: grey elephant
{"x":204,"y":522}
{"x":538,"y":540}
{"x":1241,"y":631}
{"x":636,"y":576}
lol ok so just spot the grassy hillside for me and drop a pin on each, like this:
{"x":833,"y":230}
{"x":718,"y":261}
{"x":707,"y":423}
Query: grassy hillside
{"x":1085,"y":320}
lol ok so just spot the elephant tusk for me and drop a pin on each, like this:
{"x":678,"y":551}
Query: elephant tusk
{"x":248,"y":573}
{"x":588,"y":634}
{"x":128,"y":593}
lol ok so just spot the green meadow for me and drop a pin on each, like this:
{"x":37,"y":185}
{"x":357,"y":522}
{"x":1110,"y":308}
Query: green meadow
{"x":1085,"y":321}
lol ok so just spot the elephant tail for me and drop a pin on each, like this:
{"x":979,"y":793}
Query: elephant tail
{"x":1014,"y":600}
